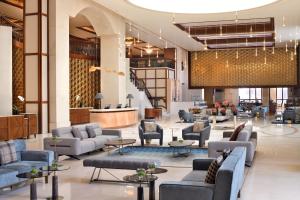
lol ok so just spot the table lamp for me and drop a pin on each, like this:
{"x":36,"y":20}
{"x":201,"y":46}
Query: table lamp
{"x":98,"y":97}
{"x":129,"y":97}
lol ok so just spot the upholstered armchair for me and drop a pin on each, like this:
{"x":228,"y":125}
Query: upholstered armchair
{"x":202,"y":136}
{"x":144,"y":135}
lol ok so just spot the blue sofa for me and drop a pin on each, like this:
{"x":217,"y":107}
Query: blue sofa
{"x":26,"y":161}
{"x":229,"y":180}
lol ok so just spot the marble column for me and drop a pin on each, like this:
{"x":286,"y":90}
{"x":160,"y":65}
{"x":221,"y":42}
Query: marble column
{"x":5,"y":70}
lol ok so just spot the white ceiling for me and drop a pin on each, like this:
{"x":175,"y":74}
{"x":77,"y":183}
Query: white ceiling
{"x":152,"y":21}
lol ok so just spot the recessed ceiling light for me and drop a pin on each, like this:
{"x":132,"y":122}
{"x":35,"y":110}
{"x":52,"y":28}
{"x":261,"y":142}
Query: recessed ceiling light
{"x":200,"y":6}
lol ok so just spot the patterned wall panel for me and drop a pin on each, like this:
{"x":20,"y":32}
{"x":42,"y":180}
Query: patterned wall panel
{"x":82,"y":82}
{"x":18,"y":75}
{"x":248,"y":70}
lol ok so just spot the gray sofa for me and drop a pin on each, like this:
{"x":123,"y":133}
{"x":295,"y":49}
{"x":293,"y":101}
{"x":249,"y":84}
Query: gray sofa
{"x":68,"y":144}
{"x":229,"y":180}
{"x":26,"y":161}
{"x":247,"y":138}
{"x":202,"y":136}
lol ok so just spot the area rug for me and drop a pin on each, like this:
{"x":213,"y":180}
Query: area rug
{"x":163,"y":154}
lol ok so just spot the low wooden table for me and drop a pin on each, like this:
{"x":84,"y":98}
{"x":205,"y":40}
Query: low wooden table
{"x":120,"y":143}
{"x":181,"y":147}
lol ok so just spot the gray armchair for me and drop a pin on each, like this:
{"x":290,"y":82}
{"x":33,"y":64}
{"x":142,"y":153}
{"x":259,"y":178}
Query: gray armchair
{"x":229,"y":180}
{"x":150,"y":135}
{"x":202,"y":136}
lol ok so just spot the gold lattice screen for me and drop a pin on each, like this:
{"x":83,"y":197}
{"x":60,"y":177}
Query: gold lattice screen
{"x":82,"y":82}
{"x":209,"y":70}
{"x":18,"y":75}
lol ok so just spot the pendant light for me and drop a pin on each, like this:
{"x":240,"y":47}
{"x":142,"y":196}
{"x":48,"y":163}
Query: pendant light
{"x":273,"y":50}
{"x":196,"y":55}
{"x":189,"y":32}
{"x":283,"y":21}
{"x":157,"y":54}
{"x":160,"y":31}
{"x":141,"y":53}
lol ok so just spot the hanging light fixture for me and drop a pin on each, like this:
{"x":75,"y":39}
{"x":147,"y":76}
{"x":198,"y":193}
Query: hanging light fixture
{"x":251,"y":31}
{"x":236,"y":17}
{"x":280,"y":38}
{"x":237,"y":54}
{"x":141,"y":53}
{"x":149,"y":62}
{"x":189,"y":32}
{"x":173,"y":18}
{"x":292,"y":56}
{"x":256,"y":52}
{"x":160,"y":33}
{"x":216,"y":54}
{"x":130,"y":27}
{"x":246,"y":41}
{"x":273,"y":50}
{"x":205,"y":45}
{"x":138,"y":37}
{"x":156,"y":53}
{"x":196,"y":56}
{"x":283,"y":21}
{"x":286,"y":47}
{"x":265,"y":60}
{"x":166,"y":44}
{"x":221,"y":30}
{"x":227,"y":63}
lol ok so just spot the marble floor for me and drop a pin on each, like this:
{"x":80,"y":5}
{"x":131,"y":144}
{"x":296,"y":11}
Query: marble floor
{"x":275,"y":174}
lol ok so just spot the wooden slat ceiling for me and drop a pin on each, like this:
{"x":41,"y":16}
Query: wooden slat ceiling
{"x":16,"y":3}
{"x":239,"y":33}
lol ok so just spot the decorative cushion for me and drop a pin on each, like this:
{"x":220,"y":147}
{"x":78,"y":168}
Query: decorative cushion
{"x":150,"y":127}
{"x":8,"y":152}
{"x":94,"y":130}
{"x":198,"y":126}
{"x":212,"y":170}
{"x":236,"y":132}
{"x":77,"y":133}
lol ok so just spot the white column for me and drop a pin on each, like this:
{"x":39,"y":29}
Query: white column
{"x":113,"y":86}
{"x":5,"y":70}
{"x":59,"y":65}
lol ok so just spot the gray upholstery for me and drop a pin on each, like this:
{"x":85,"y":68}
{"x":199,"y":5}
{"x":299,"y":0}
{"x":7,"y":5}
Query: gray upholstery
{"x":75,"y":146}
{"x":229,"y":180}
{"x":245,"y":134}
{"x":118,"y":163}
{"x":202,"y":136}
{"x":214,"y":147}
{"x":83,"y":131}
{"x":150,"y":135}
{"x":94,"y":129}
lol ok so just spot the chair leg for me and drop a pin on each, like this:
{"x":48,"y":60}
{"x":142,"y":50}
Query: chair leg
{"x":239,"y":194}
{"x":160,"y":142}
{"x":142,"y":142}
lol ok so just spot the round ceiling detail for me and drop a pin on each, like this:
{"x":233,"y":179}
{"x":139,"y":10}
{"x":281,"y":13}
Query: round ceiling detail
{"x":199,"y":6}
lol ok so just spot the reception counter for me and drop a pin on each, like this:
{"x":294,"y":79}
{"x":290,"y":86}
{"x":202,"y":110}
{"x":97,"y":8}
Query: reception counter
{"x":114,"y":118}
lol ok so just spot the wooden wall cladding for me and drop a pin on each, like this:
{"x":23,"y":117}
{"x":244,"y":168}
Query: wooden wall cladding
{"x":79,"y":115}
{"x":247,"y":71}
{"x":12,"y":127}
{"x":18,"y":75}
{"x":82,"y":82}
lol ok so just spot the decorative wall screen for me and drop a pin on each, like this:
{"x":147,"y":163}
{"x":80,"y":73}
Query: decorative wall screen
{"x":224,"y":70}
{"x":82,"y":82}
{"x":18,"y":75}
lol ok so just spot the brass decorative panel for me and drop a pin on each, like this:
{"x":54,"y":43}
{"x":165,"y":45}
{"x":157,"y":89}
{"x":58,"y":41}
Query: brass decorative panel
{"x":207,"y":70}
{"x":82,"y":82}
{"x":18,"y":75}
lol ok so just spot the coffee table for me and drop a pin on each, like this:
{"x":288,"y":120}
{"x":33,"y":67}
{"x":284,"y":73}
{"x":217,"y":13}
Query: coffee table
{"x":29,"y":175}
{"x":181,"y":147}
{"x":140,"y":190}
{"x":120,"y":143}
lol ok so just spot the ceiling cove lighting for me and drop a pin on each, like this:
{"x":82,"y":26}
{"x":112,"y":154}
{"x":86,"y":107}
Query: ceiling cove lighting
{"x":199,"y":6}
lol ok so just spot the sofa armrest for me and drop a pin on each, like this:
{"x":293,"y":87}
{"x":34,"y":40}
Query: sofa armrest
{"x":214,"y":148}
{"x":112,"y":132}
{"x":159,"y":129}
{"x":202,"y":164}
{"x":227,"y":134}
{"x":44,"y":156}
{"x":186,"y":190}
{"x":141,"y":132}
{"x":63,"y":146}
{"x":188,"y":129}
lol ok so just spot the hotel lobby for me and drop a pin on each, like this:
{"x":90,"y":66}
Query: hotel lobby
{"x":145,"y":100}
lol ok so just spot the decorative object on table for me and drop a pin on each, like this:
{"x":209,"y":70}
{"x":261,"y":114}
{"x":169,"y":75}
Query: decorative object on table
{"x":15,"y":109}
{"x":79,"y":101}
{"x":223,"y":111}
{"x":129,"y":97}
{"x":174,"y":138}
{"x":202,"y":135}
{"x":156,"y":134}
{"x":186,"y":117}
{"x":106,"y":69}
{"x":98,"y":98}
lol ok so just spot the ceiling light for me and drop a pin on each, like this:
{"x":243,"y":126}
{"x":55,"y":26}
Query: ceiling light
{"x":149,"y":50}
{"x":200,"y":6}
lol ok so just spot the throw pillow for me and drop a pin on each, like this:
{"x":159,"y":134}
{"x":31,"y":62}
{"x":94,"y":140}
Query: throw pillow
{"x":94,"y":131}
{"x":212,"y":170}
{"x":150,"y":127}
{"x":236,"y":132}
{"x":198,"y":126}
{"x":77,"y":133}
{"x":8,"y":152}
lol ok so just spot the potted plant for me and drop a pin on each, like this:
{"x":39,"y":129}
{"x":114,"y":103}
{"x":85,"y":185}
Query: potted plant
{"x":223,"y":111}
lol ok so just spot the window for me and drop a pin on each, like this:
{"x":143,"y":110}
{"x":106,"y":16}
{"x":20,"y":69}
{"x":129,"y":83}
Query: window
{"x":250,"y":94}
{"x":281,"y":95}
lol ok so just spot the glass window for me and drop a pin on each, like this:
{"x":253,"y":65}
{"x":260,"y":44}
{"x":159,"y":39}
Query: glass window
{"x":250,"y":94}
{"x":281,"y":95}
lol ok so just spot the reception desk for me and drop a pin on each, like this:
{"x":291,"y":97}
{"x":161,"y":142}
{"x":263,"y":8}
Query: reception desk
{"x":114,"y":118}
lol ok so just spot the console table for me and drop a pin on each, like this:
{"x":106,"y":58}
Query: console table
{"x":153,"y":113}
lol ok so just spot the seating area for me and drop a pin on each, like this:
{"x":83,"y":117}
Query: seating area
{"x":149,"y":100}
